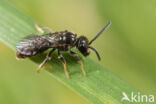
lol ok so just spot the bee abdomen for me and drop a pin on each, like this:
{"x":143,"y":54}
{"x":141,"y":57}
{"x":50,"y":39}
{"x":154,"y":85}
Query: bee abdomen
{"x":31,"y":46}
{"x":28,"y":53}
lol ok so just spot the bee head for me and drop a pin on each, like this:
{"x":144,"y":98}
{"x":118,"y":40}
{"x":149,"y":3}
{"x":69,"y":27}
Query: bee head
{"x":82,"y":45}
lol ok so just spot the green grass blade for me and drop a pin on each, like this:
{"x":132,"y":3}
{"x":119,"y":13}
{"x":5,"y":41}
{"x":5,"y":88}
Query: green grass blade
{"x":98,"y":87}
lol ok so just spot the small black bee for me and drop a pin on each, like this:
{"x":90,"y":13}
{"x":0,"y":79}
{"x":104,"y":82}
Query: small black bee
{"x":62,"y":41}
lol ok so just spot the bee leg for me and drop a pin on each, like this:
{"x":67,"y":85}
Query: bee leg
{"x":63,"y":62}
{"x":79,"y":60}
{"x":48,"y":57}
{"x":42,"y":30}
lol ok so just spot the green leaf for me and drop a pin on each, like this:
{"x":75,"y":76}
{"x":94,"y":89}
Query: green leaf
{"x":98,"y":87}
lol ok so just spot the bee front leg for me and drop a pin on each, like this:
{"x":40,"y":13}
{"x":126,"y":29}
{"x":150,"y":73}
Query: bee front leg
{"x":79,"y":60}
{"x":64,"y":63}
{"x":43,"y":30}
{"x":48,"y":57}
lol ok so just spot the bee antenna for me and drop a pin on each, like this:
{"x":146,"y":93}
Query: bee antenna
{"x":95,"y":52}
{"x":109,"y":23}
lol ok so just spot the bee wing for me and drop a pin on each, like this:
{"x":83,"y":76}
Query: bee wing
{"x":32,"y":45}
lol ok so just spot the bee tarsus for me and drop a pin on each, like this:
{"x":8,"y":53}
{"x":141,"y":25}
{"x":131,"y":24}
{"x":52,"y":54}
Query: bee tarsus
{"x":48,"y":57}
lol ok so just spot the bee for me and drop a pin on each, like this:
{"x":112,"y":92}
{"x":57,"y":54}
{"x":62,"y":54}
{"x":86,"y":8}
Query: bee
{"x":60,"y":41}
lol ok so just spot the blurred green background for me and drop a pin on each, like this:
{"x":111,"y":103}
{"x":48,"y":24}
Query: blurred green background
{"x":127,"y":48}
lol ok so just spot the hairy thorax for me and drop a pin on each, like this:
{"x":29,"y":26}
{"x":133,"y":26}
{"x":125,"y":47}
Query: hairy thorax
{"x":66,"y":40}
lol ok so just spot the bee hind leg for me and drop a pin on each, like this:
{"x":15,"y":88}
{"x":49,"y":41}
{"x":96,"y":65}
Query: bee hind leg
{"x":43,"y":30}
{"x":48,"y":57}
